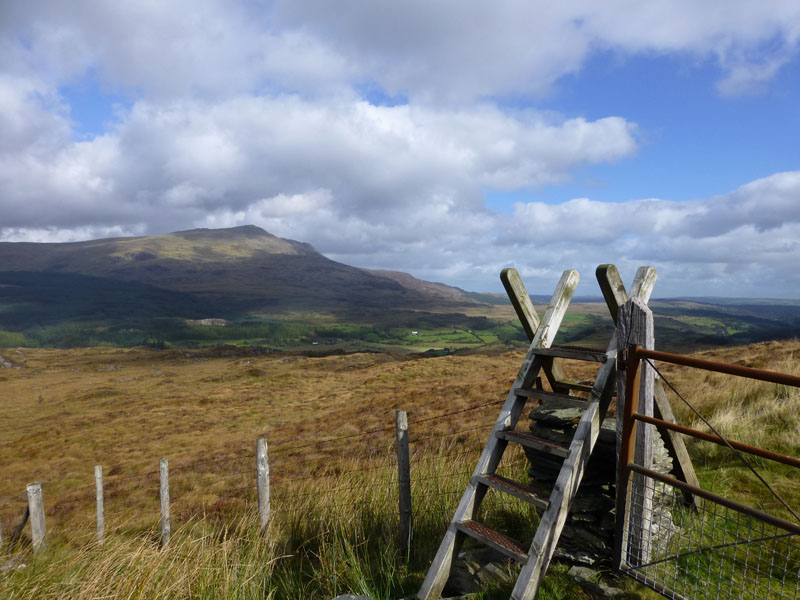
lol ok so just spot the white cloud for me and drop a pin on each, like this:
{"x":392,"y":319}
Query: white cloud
{"x":249,"y":112}
{"x":448,"y":50}
{"x":452,"y":50}
{"x":190,"y":158}
{"x":744,"y":242}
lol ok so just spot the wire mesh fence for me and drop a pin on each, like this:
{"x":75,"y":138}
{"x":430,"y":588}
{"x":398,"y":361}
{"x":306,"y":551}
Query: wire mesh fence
{"x":716,"y":550}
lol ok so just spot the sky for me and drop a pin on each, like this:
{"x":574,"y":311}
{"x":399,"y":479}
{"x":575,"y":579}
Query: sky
{"x":446,"y":139}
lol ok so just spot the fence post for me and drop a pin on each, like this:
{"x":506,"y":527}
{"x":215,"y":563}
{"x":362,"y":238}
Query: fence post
{"x":403,"y":483}
{"x":262,"y":467}
{"x":635,"y":327}
{"x":101,"y":513}
{"x":36,"y":508}
{"x":163,"y":476}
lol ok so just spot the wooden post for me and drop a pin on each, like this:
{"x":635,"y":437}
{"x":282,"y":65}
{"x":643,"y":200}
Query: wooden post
{"x":403,"y":483}
{"x":262,"y":467}
{"x":635,"y":327}
{"x":615,"y":296}
{"x":520,"y":300}
{"x":1,"y":534}
{"x":36,"y":509}
{"x":163,"y":476}
{"x":101,"y":513}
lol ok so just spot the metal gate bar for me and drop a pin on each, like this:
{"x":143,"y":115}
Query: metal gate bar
{"x":719,"y":549}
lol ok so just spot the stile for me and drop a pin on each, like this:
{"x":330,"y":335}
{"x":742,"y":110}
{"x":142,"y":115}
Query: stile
{"x":612,"y":287}
{"x":403,"y":483}
{"x":101,"y":513}
{"x":576,"y":455}
{"x":635,"y":327}
{"x":615,"y":296}
{"x":36,"y":511}
{"x":544,"y":543}
{"x":262,"y":468}
{"x":492,"y":453}
{"x":547,"y":533}
{"x":163,"y":479}
{"x":520,"y":300}
{"x":528,"y":317}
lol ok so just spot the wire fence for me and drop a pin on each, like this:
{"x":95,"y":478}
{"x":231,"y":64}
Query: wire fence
{"x":716,"y":547}
{"x":219,"y":485}
{"x":710,"y":551}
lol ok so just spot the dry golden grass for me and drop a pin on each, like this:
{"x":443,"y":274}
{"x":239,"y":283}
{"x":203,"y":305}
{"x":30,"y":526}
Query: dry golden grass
{"x":65,"y":411}
{"x":330,"y":426}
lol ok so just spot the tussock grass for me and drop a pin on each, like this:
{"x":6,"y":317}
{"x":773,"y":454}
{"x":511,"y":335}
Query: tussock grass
{"x":329,"y":535}
{"x":330,"y":425}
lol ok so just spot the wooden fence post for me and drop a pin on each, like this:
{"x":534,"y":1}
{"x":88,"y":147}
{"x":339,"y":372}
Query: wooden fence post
{"x":163,"y":476}
{"x":101,"y":513}
{"x":635,"y":326}
{"x":262,"y":467}
{"x":404,"y":483}
{"x":36,"y":509}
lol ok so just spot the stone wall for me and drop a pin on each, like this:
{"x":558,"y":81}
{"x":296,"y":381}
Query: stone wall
{"x":588,"y":536}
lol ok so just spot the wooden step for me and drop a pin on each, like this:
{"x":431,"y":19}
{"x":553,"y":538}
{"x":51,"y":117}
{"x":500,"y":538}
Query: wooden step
{"x":573,"y":352}
{"x":564,"y":400}
{"x":573,"y":385}
{"x":578,"y":387}
{"x":493,"y":539}
{"x":516,"y":489}
{"x":531,"y":441}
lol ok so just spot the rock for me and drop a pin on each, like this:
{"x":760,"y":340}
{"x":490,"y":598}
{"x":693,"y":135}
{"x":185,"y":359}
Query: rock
{"x":557,"y":413}
{"x":476,"y":569}
{"x":590,"y":581}
{"x":577,"y":557}
{"x":13,"y":564}
{"x":461,"y":580}
{"x":496,"y":574}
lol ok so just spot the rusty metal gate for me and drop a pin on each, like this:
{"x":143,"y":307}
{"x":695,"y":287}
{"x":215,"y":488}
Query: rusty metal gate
{"x":689,"y":543}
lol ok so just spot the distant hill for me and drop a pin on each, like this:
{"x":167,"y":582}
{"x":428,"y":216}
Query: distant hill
{"x":268,"y":290}
{"x":235,"y":270}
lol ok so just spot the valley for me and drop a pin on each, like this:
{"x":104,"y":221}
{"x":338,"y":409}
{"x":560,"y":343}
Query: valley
{"x":245,"y":287}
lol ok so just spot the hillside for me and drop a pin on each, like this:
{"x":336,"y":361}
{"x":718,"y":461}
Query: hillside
{"x":237,"y":270}
{"x":277,"y":292}
{"x":128,"y":291}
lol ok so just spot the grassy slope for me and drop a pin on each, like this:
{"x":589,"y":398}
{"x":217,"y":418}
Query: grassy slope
{"x":241,"y":269}
{"x":334,"y":507}
{"x":119,"y":291}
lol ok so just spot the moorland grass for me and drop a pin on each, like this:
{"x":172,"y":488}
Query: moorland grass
{"x":329,"y":422}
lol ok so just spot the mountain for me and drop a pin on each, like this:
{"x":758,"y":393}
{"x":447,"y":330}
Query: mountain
{"x":233,"y":271}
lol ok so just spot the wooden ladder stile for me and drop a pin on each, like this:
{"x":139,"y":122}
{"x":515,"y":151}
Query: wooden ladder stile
{"x":540,"y":358}
{"x":543,"y":333}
